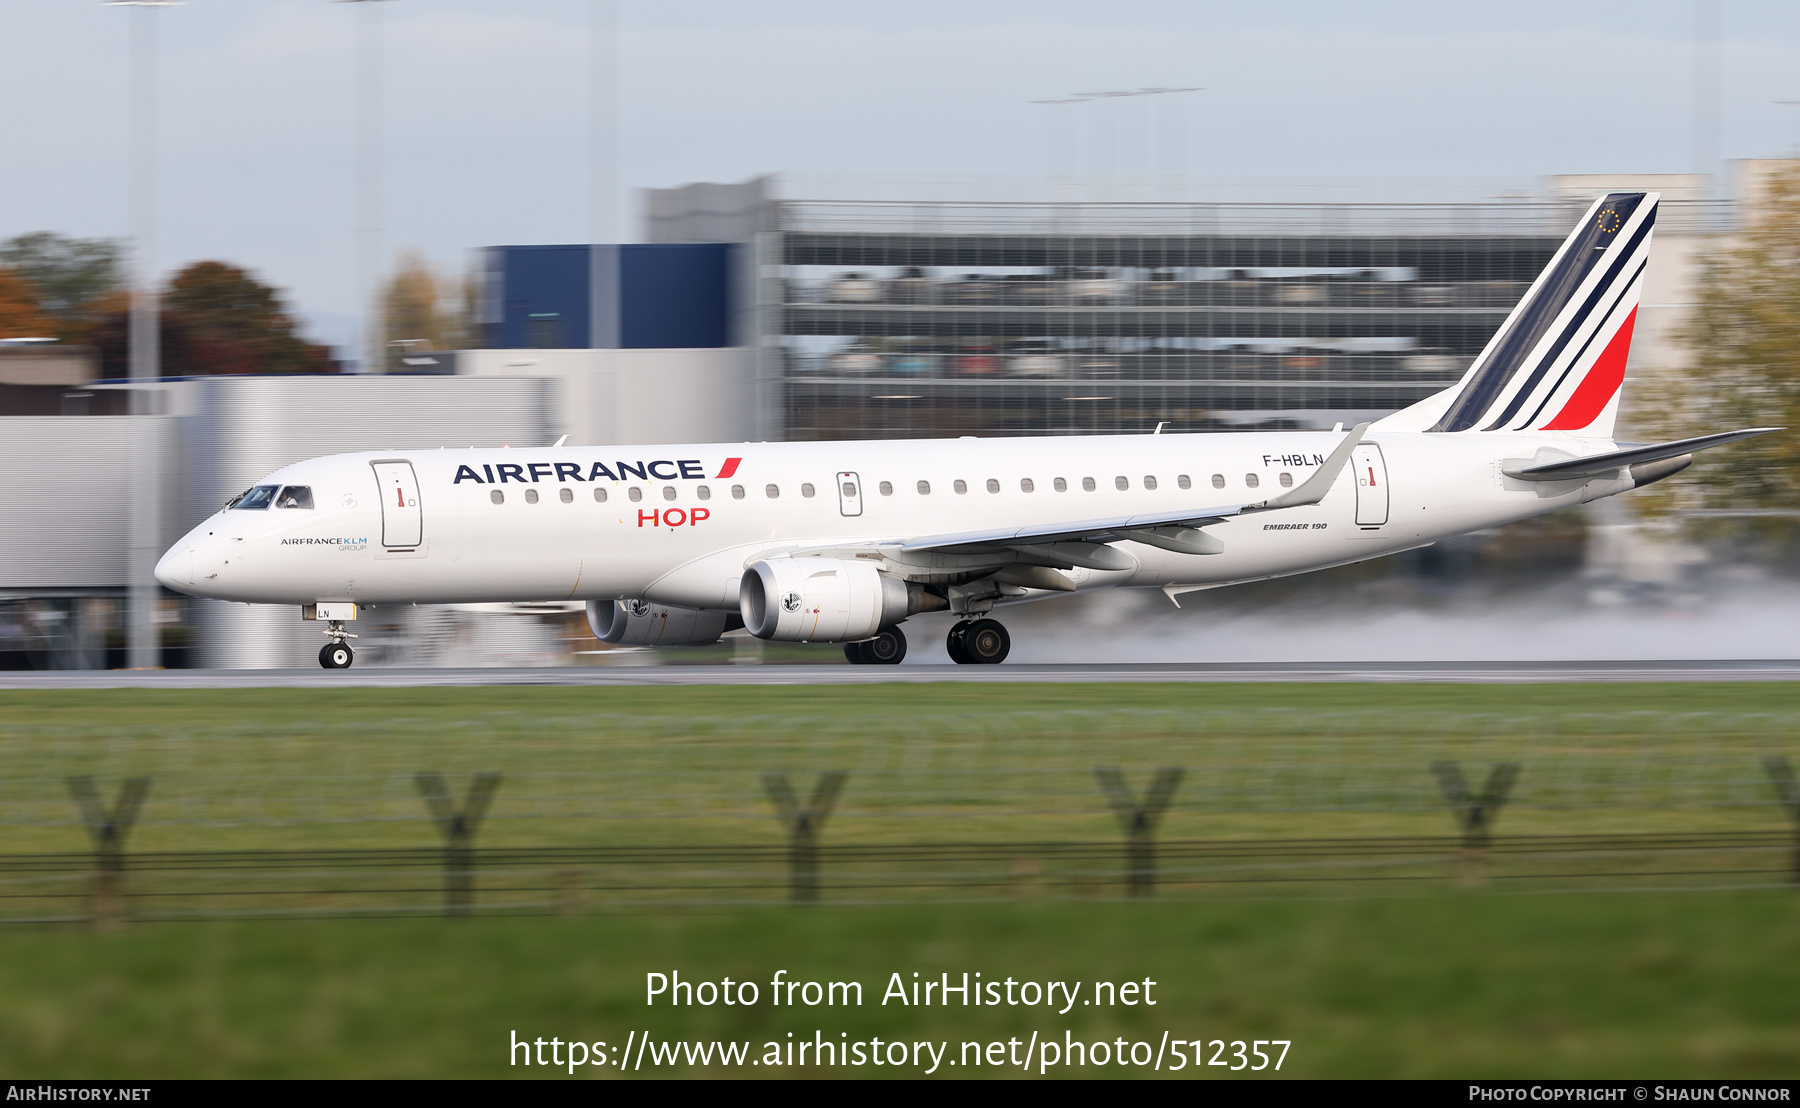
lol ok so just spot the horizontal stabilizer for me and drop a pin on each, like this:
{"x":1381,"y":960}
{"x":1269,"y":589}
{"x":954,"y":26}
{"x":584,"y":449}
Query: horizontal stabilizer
{"x":1601,"y":464}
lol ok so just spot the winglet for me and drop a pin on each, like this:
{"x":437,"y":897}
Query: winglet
{"x":1313,"y":489}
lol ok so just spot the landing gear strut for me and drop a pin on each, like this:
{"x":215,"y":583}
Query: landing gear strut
{"x":337,"y":654}
{"x":885,"y":649}
{"x":978,"y":642}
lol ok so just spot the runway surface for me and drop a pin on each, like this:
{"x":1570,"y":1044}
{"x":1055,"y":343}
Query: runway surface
{"x":1198,"y":672}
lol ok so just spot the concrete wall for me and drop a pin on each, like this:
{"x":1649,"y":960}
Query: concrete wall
{"x":65,"y":507}
{"x":626,"y":397}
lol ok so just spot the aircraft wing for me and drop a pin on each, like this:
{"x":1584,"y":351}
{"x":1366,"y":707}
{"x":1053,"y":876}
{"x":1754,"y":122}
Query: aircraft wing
{"x":1157,"y":528}
{"x":1600,"y":464}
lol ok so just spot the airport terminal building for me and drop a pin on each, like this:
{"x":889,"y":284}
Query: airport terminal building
{"x":753,"y":315}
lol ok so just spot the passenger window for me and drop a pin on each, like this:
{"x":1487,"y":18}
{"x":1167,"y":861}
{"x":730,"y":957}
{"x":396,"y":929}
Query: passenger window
{"x":993,"y":485}
{"x":1025,"y":485}
{"x":636,"y":494}
{"x":1060,"y":485}
{"x":806,"y":489}
{"x":1287,"y":480}
{"x":704,"y":492}
{"x":295,"y":496}
{"x":254,"y":500}
{"x":772,"y":491}
{"x":1087,"y":484}
{"x":1184,"y":482}
{"x":599,"y":496}
{"x":566,"y":495}
{"x":1121,"y":483}
{"x":531,"y":496}
{"x":961,"y":486}
{"x":887,"y":488}
{"x":668,"y":492}
{"x":1150,"y":483}
{"x":1250,"y":479}
{"x":499,"y":497}
{"x":924,"y":488}
{"x":1218,"y":480}
{"x":849,"y":488}
{"x":737,"y":492}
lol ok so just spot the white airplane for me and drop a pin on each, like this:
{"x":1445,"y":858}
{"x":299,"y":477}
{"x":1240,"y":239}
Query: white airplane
{"x":842,"y":541}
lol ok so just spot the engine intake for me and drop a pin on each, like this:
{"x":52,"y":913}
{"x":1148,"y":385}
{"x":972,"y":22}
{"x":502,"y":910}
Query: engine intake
{"x":824,"y":600}
{"x":640,"y":623}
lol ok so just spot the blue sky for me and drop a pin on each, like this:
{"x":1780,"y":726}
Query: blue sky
{"x":487,"y":105}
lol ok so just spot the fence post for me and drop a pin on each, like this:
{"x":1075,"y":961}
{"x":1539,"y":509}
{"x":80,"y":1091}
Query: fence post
{"x":1475,"y":813}
{"x":1139,"y":821}
{"x":803,"y":824}
{"x":108,"y":830}
{"x":1787,"y":791}
{"x":458,"y":828}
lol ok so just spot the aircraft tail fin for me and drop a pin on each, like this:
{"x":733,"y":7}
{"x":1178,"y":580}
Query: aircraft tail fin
{"x":1558,"y":362}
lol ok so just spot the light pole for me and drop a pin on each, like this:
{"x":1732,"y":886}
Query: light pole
{"x":368,"y":180}
{"x":603,"y":28}
{"x":143,"y":651}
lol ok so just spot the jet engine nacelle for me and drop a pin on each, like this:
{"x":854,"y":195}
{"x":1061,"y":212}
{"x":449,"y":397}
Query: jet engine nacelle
{"x":820,"y":600}
{"x":640,"y":623}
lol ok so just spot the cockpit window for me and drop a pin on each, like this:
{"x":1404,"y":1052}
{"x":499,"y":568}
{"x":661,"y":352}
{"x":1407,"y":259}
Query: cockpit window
{"x":295,"y":496}
{"x":256,"y":499}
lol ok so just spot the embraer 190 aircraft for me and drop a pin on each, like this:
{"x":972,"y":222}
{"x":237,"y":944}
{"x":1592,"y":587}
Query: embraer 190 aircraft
{"x":842,"y":541}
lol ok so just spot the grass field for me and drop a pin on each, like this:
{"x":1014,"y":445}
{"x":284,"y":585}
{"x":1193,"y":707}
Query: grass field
{"x":1447,"y":986}
{"x":1442,"y":981}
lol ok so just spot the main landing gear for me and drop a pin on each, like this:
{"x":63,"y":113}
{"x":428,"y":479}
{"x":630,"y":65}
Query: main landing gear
{"x":337,"y":654}
{"x":978,"y":642}
{"x":885,"y":649}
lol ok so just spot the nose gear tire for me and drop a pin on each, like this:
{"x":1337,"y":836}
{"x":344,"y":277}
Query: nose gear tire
{"x":336,"y":655}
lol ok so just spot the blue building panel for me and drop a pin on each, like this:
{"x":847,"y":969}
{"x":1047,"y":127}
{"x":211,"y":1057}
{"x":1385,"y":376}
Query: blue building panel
{"x":654,"y":295}
{"x":674,"y":295}
{"x":543,"y":297}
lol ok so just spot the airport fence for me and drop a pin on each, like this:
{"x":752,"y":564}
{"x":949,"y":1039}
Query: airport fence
{"x":604,"y":814}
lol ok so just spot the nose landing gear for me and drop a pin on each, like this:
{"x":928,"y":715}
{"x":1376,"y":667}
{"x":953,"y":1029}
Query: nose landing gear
{"x":978,"y":642}
{"x":337,"y":654}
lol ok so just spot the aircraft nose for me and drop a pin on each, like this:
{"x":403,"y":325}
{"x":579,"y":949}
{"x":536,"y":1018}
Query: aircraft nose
{"x":176,"y":568}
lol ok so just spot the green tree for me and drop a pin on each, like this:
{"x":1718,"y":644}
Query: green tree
{"x":78,"y":282}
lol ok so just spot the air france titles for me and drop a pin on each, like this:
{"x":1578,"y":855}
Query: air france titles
{"x":342,"y":544}
{"x":530,"y":473}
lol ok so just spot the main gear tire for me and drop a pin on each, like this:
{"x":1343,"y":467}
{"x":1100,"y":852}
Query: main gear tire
{"x":953,"y":642}
{"x":887,"y":648}
{"x":856,"y":653}
{"x":986,"y":642}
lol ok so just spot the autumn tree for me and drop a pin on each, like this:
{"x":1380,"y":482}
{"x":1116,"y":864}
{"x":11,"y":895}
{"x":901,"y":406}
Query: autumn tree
{"x":219,"y":319}
{"x":78,"y":283}
{"x":424,"y":310}
{"x":1745,"y":339}
{"x":20,"y":315}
